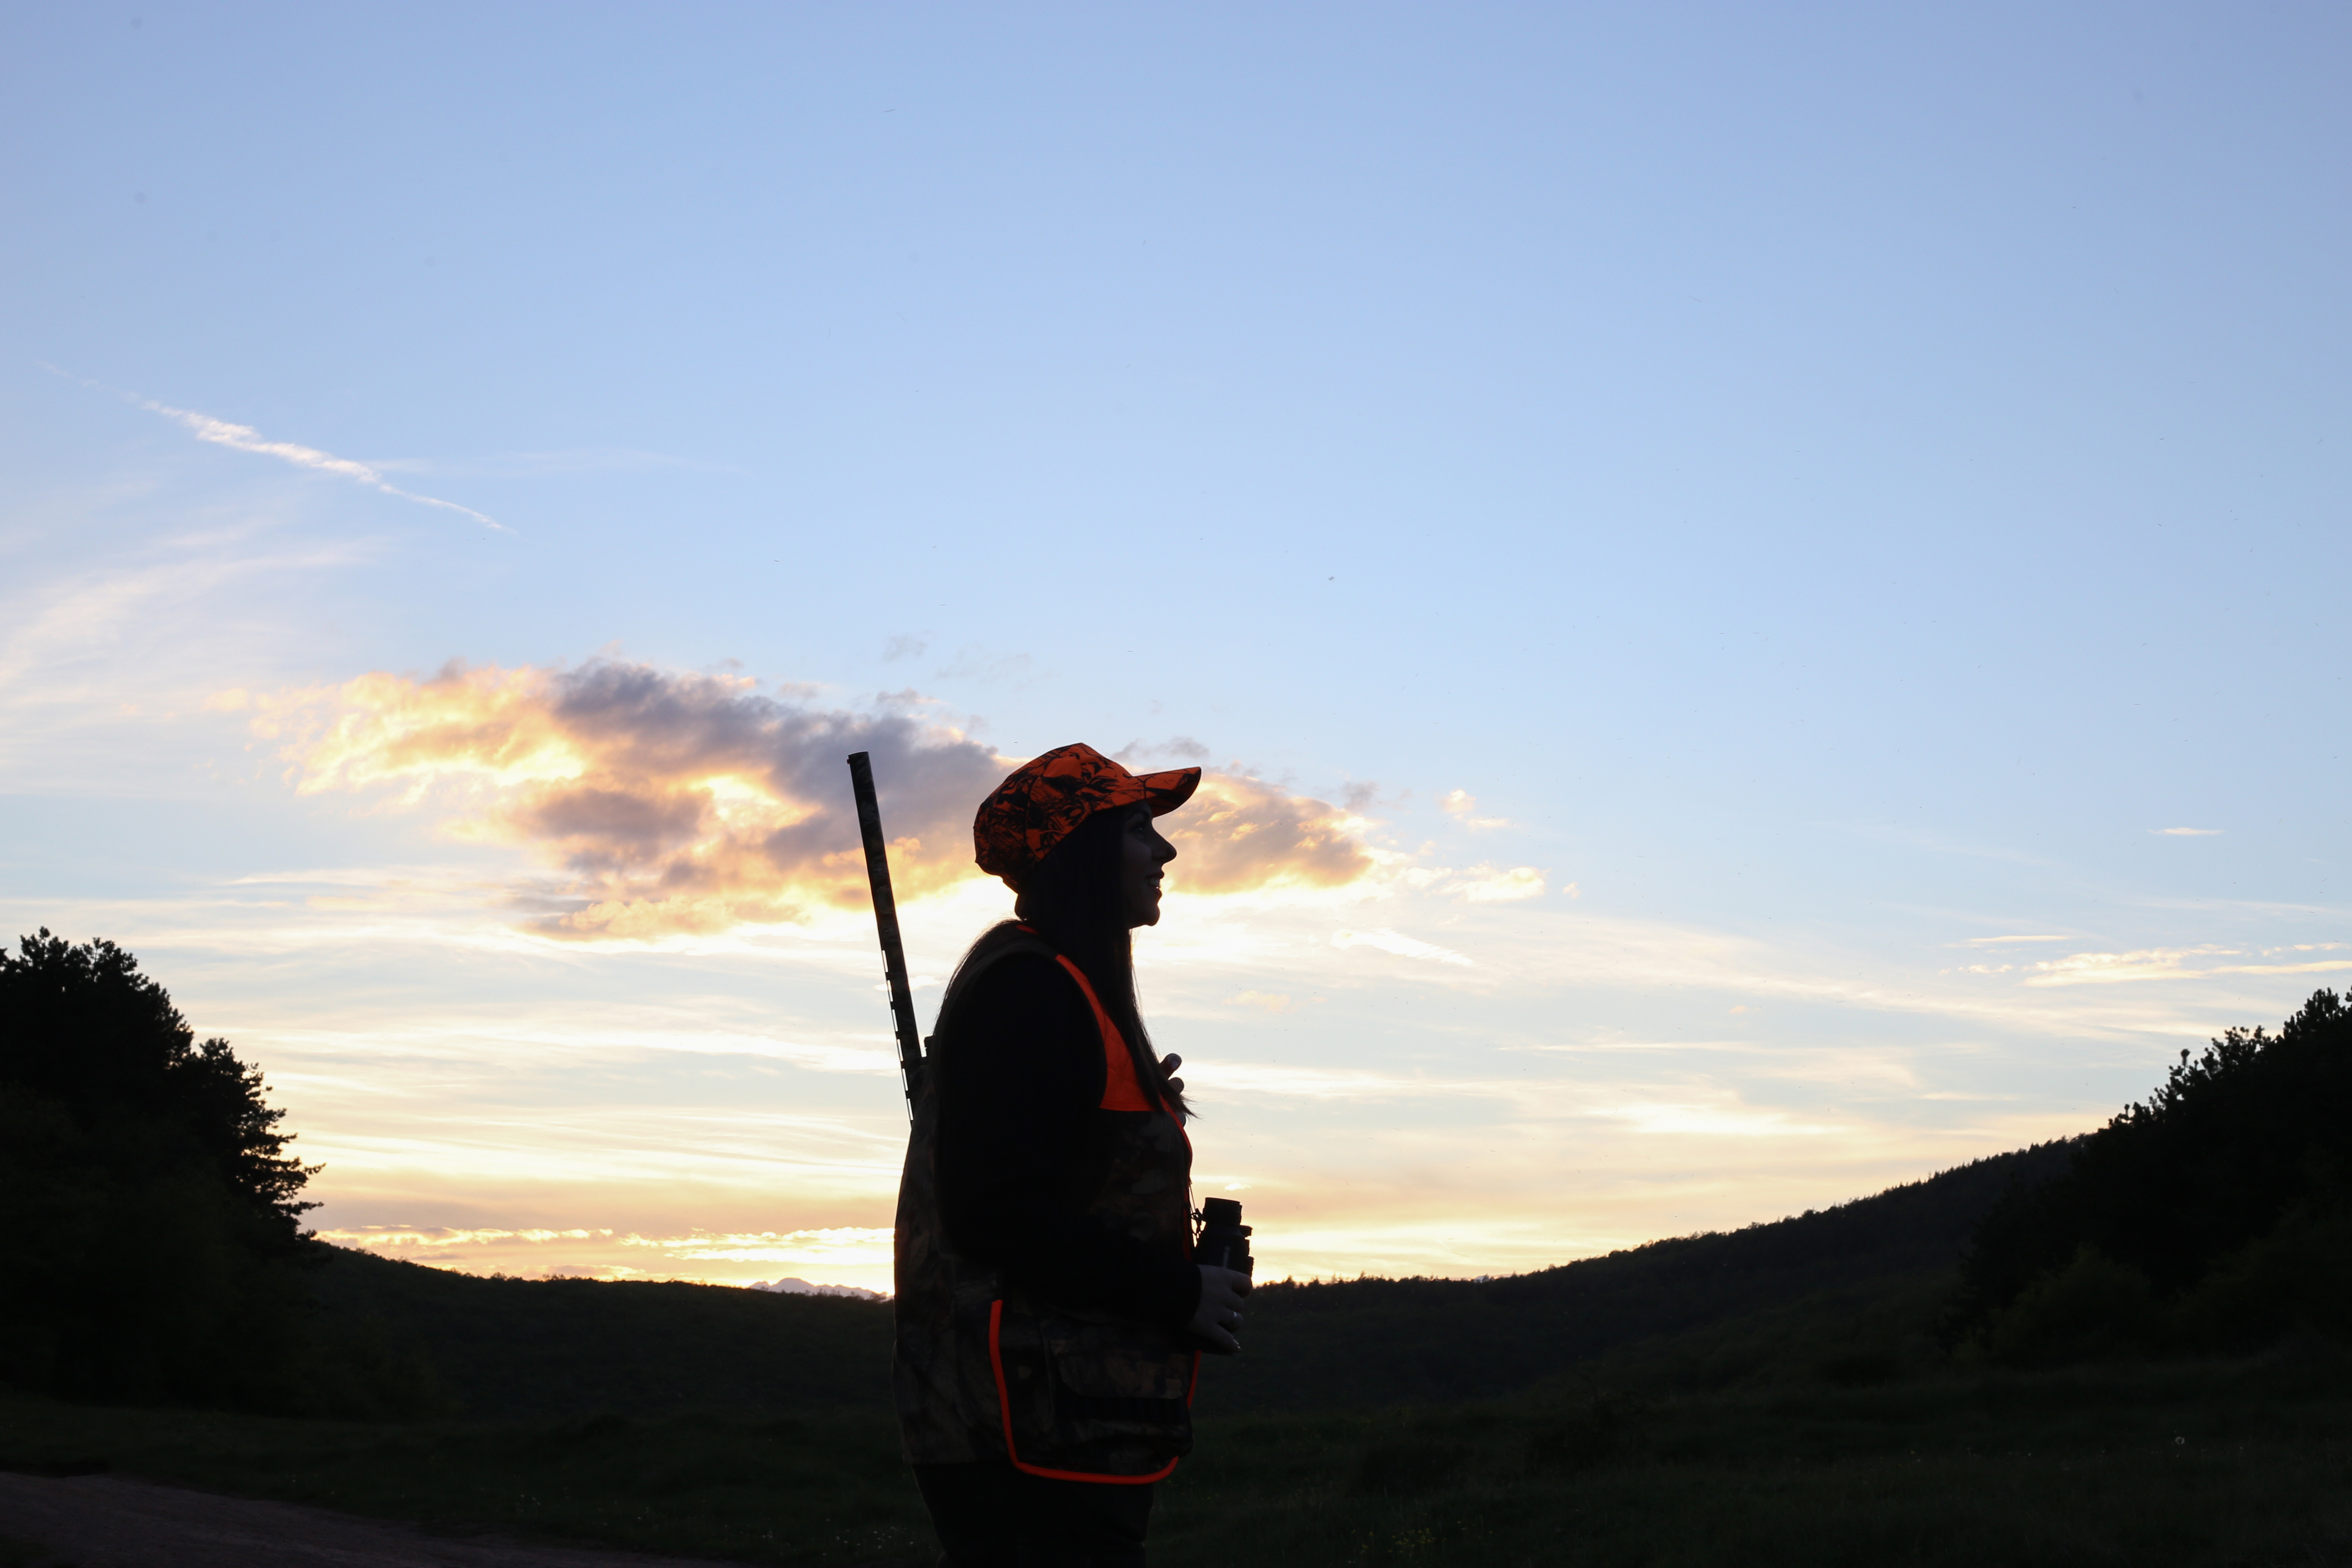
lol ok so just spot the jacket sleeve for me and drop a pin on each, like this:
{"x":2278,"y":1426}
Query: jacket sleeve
{"x":1018,"y":1157}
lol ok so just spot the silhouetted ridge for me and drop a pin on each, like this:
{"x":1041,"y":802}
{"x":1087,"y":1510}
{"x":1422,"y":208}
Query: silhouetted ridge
{"x":1373,"y":1341}
{"x":533,"y":1347}
{"x":505,"y":1347}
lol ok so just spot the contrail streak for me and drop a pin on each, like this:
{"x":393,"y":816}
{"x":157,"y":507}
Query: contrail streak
{"x":246,"y":438}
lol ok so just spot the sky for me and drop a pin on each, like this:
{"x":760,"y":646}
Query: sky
{"x":1758,"y":585}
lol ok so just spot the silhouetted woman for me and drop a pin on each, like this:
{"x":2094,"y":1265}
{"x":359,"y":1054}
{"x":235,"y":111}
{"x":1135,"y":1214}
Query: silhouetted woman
{"x":1050,"y":1315}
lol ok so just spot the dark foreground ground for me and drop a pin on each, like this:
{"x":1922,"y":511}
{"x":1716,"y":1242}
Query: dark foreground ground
{"x":2217,"y":1463}
{"x":114,"y":1522}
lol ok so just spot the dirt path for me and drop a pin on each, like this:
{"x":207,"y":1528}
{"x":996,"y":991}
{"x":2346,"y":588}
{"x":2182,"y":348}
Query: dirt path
{"x":111,"y":1521}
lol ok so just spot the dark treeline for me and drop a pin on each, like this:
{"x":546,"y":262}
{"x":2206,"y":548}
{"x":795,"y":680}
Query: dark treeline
{"x":2216,"y":1216}
{"x":157,"y":1255}
{"x":508,"y":1348}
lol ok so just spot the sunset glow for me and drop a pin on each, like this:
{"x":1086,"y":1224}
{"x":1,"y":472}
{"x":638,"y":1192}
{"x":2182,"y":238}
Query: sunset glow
{"x":1758,"y":624}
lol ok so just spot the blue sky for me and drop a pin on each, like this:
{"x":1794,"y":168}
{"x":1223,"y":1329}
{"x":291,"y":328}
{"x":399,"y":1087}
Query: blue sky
{"x":1834,"y":489}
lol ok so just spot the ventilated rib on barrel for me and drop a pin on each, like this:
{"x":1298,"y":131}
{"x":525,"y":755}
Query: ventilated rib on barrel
{"x":886,"y":918}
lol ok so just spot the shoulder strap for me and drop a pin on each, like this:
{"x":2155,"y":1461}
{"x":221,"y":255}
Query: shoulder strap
{"x":1003,"y":943}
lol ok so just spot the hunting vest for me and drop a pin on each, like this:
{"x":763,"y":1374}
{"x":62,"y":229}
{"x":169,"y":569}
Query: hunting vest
{"x":984,"y":1370}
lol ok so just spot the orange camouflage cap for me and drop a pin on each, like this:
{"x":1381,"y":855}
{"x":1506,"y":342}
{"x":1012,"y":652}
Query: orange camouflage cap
{"x":1043,"y":801}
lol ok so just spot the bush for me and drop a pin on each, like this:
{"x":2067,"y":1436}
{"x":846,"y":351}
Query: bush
{"x":2094,"y":1309}
{"x":2299,"y":1276}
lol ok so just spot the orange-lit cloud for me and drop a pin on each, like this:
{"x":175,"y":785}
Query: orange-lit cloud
{"x":1238,"y":834}
{"x":684,"y":803}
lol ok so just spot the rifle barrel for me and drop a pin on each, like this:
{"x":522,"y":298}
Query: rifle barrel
{"x":886,"y":918}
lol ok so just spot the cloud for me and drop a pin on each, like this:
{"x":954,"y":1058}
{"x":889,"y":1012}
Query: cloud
{"x":676,"y":802}
{"x":1238,"y":834}
{"x":1272,"y":1002}
{"x":136,"y":627}
{"x":402,"y":1238}
{"x":1146,"y":755}
{"x":1722,"y":1120}
{"x":1292,"y":1082}
{"x":1481,"y":884}
{"x":246,"y":438}
{"x":1462,"y":806}
{"x":1402,"y":946}
{"x":2186,"y":832}
{"x":691,"y":803}
{"x":839,"y":1243}
{"x":2161,"y":963}
{"x":1486,"y":884}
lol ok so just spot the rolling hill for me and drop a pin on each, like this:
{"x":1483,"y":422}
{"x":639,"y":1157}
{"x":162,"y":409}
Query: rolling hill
{"x":1849,"y":1292}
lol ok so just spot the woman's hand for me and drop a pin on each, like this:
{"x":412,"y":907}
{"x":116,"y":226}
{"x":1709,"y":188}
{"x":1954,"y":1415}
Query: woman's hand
{"x":1168,"y":1066}
{"x":1218,"y":1318}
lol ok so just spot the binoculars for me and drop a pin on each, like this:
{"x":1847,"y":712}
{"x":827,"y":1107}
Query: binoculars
{"x":1223,"y":1241}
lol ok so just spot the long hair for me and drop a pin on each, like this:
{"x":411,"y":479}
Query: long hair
{"x":1075,"y":899}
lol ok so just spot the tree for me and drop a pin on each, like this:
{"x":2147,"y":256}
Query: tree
{"x":2243,"y":1149}
{"x":152,"y":1210}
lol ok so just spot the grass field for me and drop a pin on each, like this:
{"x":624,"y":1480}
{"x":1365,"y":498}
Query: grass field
{"x":2231,"y":1463}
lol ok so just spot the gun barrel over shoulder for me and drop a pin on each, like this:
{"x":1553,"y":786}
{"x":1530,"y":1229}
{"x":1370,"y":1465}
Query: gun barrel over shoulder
{"x":886,"y":919}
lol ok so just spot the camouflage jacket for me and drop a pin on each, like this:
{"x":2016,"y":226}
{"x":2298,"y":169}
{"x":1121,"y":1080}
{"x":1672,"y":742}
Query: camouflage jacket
{"x":984,"y":1370}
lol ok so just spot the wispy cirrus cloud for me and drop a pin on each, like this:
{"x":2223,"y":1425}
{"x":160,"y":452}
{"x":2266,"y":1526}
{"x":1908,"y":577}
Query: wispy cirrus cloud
{"x":1402,"y":946}
{"x":399,"y":1238}
{"x":2004,"y":941}
{"x":1724,"y":1117}
{"x":2186,"y":832}
{"x":2173,"y":963}
{"x":844,"y":1242}
{"x":685,"y":804}
{"x":246,"y":438}
{"x":1294,"y":1082}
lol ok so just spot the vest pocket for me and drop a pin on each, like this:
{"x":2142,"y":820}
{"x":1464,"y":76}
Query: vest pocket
{"x":1114,"y":1382}
{"x":1084,"y":1401}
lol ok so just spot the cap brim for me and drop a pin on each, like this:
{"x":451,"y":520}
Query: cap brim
{"x":1170,"y":789}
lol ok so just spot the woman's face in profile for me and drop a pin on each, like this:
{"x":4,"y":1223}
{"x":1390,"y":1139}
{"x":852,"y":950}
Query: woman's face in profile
{"x":1141,"y":854}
